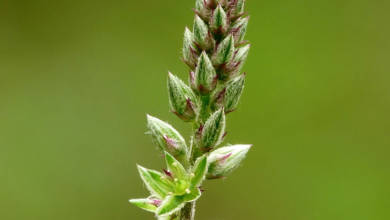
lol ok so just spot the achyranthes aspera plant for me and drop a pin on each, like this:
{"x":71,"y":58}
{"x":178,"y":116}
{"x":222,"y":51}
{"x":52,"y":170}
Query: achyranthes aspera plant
{"x":215,"y":51}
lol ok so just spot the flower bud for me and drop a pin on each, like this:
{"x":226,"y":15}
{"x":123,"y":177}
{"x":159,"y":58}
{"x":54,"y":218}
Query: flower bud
{"x":225,"y":51}
{"x":213,"y":131}
{"x":201,"y":33}
{"x":200,"y":5}
{"x":235,"y":66}
{"x":182,"y":99}
{"x":219,"y":21}
{"x":237,"y":8}
{"x":190,"y":55}
{"x":239,"y":29}
{"x":229,"y":96}
{"x":212,"y":3}
{"x":225,"y":159}
{"x":205,"y":77}
{"x":166,"y":137}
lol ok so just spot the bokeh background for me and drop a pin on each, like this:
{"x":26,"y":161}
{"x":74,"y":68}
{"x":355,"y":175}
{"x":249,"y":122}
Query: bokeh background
{"x":78,"y":77}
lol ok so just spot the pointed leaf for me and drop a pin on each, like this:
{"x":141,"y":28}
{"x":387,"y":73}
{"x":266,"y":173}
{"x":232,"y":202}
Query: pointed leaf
{"x":155,"y":182}
{"x":173,"y":203}
{"x":199,"y":171}
{"x":145,"y":204}
{"x":170,"y":205}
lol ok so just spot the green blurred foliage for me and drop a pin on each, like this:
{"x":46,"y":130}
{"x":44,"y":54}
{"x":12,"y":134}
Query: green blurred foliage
{"x":78,"y":77}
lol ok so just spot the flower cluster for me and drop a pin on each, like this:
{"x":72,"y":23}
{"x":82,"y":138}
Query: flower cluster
{"x":215,"y":51}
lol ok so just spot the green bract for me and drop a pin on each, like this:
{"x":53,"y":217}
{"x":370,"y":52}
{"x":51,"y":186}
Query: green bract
{"x":214,"y":51}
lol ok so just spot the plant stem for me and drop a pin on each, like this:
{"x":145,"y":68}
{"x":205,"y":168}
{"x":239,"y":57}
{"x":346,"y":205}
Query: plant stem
{"x":188,"y":212}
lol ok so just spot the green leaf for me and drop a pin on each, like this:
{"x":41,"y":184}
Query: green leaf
{"x":155,"y":182}
{"x":146,"y":204}
{"x":199,"y":171}
{"x":174,"y":203}
{"x":170,"y":205}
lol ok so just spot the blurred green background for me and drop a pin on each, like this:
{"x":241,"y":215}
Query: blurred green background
{"x":78,"y":77}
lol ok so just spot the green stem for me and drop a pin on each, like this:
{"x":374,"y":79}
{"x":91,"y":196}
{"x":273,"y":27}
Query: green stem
{"x":188,"y":212}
